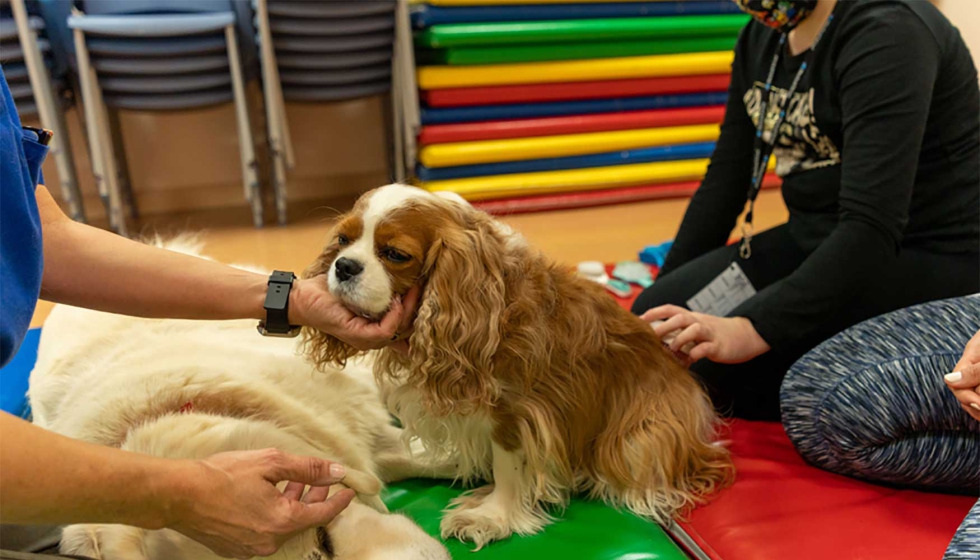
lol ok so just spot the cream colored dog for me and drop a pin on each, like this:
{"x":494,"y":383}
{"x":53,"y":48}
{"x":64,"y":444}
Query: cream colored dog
{"x":190,"y":389}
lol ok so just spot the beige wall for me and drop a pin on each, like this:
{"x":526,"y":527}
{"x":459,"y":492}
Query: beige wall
{"x":965,"y":15}
{"x":189,"y":160}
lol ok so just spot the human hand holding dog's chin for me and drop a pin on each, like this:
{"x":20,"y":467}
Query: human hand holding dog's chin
{"x":229,"y":502}
{"x":312,"y":305}
{"x":726,"y":340}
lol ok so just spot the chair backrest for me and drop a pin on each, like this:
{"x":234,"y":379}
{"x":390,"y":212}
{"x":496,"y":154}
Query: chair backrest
{"x":122,"y":7}
{"x":241,"y":8}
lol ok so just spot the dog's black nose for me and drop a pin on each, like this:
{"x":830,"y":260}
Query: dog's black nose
{"x":347,"y":268}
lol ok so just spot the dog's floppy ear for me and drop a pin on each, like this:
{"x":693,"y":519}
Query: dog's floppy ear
{"x":321,"y":348}
{"x":457,"y":329}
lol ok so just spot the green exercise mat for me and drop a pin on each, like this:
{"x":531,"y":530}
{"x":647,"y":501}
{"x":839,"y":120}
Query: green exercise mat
{"x":568,"y":31}
{"x":462,"y":56}
{"x":587,"y":530}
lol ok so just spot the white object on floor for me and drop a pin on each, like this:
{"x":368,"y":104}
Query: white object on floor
{"x":593,"y":270}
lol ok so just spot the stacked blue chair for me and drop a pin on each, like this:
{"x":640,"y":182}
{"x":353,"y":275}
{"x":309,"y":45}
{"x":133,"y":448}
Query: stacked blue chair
{"x":319,"y":51}
{"x":38,"y":83}
{"x":162,"y":55}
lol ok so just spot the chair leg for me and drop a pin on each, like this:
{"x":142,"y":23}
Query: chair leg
{"x":117,"y":211}
{"x":277,"y":127}
{"x":52,"y":116}
{"x":250,"y":176}
{"x":122,"y":164}
{"x":395,"y":122}
{"x":408,"y":88}
{"x":91,"y":104}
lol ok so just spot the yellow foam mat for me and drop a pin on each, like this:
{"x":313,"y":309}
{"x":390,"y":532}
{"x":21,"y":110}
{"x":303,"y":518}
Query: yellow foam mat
{"x":526,"y":184}
{"x":519,"y":184}
{"x":688,"y":64}
{"x":516,"y":149}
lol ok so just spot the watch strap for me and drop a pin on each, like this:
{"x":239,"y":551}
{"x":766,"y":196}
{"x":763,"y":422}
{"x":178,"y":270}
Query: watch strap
{"x":277,"y":303}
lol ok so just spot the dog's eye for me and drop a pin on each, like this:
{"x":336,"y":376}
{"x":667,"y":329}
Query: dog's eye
{"x":394,"y":255}
{"x":343,"y":240}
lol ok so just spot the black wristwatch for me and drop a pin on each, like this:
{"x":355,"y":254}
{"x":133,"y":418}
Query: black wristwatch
{"x":277,"y":306}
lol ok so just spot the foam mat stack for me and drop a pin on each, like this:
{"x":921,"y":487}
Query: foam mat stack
{"x":539,"y":105}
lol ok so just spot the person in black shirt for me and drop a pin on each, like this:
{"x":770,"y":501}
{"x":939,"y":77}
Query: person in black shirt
{"x":879,"y":153}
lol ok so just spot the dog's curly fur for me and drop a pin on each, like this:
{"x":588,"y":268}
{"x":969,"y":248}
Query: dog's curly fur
{"x":517,"y":363}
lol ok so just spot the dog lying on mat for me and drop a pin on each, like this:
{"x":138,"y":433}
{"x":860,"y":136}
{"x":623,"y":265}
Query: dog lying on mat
{"x":518,"y":371}
{"x":190,"y":389}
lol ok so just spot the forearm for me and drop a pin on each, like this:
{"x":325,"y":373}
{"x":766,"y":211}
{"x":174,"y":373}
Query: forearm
{"x":91,"y":268}
{"x":49,"y":478}
{"x":828,"y":284}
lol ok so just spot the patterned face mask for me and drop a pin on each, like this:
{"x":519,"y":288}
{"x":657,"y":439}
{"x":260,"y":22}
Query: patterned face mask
{"x":781,"y":15}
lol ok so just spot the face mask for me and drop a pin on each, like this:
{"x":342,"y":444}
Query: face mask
{"x":781,"y":15}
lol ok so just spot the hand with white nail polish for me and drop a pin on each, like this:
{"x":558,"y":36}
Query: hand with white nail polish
{"x":964,"y":382}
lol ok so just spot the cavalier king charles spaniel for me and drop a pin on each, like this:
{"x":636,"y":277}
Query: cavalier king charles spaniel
{"x":519,"y":372}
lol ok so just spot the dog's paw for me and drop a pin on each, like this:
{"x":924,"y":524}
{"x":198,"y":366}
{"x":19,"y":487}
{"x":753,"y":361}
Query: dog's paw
{"x":480,"y":524}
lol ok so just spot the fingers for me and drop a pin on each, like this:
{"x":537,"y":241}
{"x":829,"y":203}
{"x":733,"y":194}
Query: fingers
{"x":703,"y":350}
{"x":964,"y":378}
{"x":307,"y":470}
{"x":293,"y":490}
{"x":971,"y":411}
{"x":677,"y":322}
{"x":663,"y":312}
{"x":322,"y":513}
{"x":968,"y":398}
{"x":410,"y":304}
{"x":316,"y":494}
{"x":390,"y":322}
{"x":694,"y":333}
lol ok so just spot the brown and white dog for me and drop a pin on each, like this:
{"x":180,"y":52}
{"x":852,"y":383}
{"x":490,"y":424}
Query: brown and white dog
{"x":519,"y":371}
{"x":190,"y":389}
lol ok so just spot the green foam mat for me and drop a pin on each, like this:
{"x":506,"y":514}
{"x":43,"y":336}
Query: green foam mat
{"x":463,"y":56}
{"x":586,"y":530}
{"x":528,"y":32}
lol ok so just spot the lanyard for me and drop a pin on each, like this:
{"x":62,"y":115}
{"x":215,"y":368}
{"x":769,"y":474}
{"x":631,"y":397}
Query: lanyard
{"x":763,"y":149}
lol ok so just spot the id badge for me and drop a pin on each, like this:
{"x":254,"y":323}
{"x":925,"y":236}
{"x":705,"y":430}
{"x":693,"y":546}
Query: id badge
{"x":726,"y":292}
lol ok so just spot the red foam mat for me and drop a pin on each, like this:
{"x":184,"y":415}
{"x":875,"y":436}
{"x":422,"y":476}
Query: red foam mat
{"x":780,"y":507}
{"x":577,"y":124}
{"x":535,"y":93}
{"x":589,"y":199}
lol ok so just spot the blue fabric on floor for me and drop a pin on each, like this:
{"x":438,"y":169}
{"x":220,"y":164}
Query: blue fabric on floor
{"x":14,"y":376}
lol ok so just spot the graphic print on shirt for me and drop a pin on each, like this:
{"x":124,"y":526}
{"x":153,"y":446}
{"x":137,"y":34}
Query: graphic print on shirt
{"x":800,"y":146}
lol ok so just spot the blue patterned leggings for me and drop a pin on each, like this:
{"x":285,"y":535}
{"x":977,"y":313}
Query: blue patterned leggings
{"x":871,"y":403}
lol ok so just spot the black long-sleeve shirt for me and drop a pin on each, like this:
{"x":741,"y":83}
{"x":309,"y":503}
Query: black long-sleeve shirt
{"x":880,"y":152}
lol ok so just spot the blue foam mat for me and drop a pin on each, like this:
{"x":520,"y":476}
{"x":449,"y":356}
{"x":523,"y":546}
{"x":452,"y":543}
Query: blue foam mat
{"x":424,"y":15}
{"x":537,"y":110}
{"x":640,"y":155}
{"x":14,"y":376}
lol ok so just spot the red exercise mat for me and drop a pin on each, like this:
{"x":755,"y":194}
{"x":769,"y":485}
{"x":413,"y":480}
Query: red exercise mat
{"x":780,"y":507}
{"x":603,"y":197}
{"x":524,"y":128}
{"x":571,"y":91}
